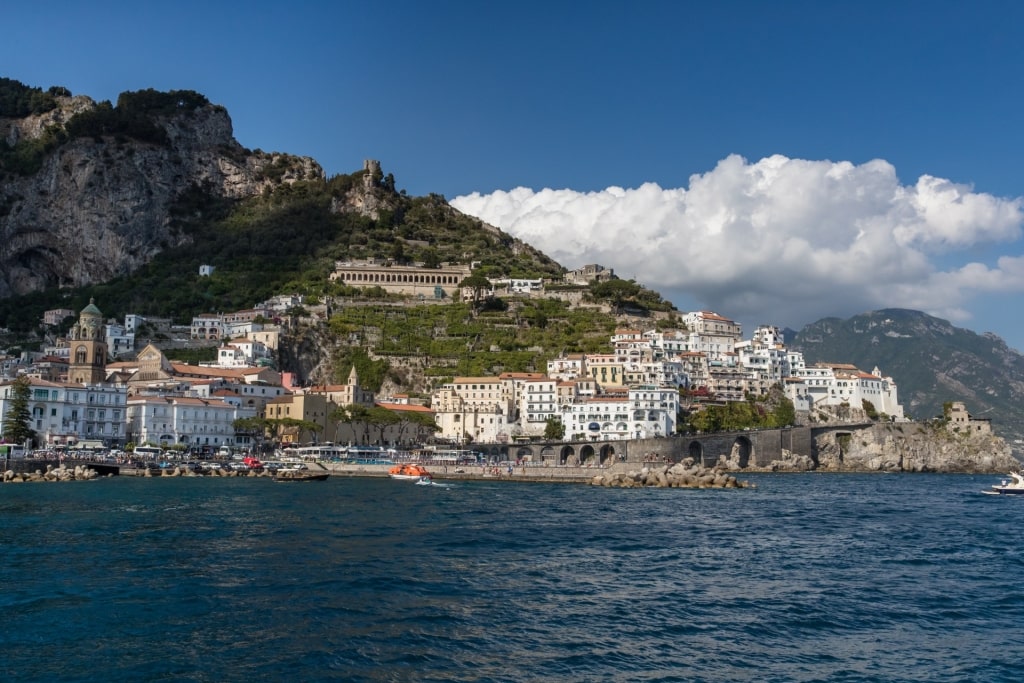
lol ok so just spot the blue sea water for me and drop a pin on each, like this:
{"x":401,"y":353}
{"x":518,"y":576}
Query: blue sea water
{"x":805,"y":578}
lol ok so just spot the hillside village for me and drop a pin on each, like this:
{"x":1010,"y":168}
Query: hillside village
{"x":639,"y":388}
{"x":161,"y":174}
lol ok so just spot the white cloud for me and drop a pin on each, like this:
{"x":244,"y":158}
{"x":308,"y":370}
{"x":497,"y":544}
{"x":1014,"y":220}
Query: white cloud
{"x":781,"y":241}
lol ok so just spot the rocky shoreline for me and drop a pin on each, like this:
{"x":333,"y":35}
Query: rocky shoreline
{"x":684,"y":474}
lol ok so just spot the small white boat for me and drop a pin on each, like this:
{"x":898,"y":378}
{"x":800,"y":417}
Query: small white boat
{"x":1008,"y":487}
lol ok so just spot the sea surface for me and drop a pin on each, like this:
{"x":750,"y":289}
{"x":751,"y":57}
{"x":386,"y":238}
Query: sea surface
{"x":808,"y":577}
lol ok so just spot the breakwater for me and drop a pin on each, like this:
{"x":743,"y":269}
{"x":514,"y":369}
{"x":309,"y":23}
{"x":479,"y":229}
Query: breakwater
{"x":51,"y":473}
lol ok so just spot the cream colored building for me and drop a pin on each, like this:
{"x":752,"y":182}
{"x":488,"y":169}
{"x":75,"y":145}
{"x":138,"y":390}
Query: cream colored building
{"x":473,"y":409}
{"x":427,"y":283}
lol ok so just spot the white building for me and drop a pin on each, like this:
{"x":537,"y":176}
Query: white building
{"x":835,"y":384}
{"x":240,"y":353}
{"x":668,"y":344}
{"x":520,"y":286}
{"x":643,"y":412}
{"x":64,"y":413}
{"x":199,"y":423}
{"x":538,"y":401}
{"x":568,"y":367}
{"x":712,"y":334}
{"x":119,"y":339}
{"x":658,"y":372}
{"x":282,"y":303}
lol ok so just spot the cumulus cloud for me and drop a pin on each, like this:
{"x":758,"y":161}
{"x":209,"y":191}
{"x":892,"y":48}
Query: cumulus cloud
{"x":780,"y":241}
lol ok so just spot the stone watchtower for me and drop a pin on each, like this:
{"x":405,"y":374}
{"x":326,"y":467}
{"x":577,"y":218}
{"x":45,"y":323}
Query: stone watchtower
{"x":372,"y":168}
{"x":88,"y":357}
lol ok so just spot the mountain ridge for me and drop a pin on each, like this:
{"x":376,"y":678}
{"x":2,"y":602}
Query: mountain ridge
{"x":933,"y":362}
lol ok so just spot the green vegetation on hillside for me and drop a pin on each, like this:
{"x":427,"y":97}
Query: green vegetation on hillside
{"x":288,"y":240}
{"x":18,"y":100}
{"x":132,"y":118}
{"x":455,"y":341}
{"x":757,"y":412}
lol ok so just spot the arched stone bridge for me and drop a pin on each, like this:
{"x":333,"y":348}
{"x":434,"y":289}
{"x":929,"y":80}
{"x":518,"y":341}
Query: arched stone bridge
{"x":754,"y":448}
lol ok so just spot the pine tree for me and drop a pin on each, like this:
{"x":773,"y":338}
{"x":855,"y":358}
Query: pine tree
{"x":18,"y":419}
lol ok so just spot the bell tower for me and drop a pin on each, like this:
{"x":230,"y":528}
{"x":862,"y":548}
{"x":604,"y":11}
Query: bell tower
{"x":88,"y":358}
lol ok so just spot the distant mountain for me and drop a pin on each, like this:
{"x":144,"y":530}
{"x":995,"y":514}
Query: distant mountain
{"x":931,"y":360}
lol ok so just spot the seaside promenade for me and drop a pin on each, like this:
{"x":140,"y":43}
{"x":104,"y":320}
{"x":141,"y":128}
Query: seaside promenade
{"x":567,"y":475}
{"x":528,"y":473}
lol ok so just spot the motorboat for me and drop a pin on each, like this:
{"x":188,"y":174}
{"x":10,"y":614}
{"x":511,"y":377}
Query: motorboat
{"x":300,"y":475}
{"x":1014,"y":485}
{"x":410,"y":471}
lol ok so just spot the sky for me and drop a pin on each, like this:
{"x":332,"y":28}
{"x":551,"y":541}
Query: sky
{"x":774,"y":162}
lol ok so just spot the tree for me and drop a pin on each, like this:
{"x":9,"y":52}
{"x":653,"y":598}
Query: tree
{"x":616,"y":292}
{"x":256,"y":427}
{"x":397,"y":252}
{"x":554,"y":430}
{"x":352,"y":415}
{"x":431,"y":259}
{"x":296,"y":427}
{"x":381,"y":419}
{"x":18,"y":420}
{"x":424,"y":425}
{"x":784,"y":414}
{"x":477,"y":283}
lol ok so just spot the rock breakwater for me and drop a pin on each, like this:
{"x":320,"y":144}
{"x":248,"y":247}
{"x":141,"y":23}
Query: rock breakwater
{"x":686,"y":474}
{"x":61,"y":473}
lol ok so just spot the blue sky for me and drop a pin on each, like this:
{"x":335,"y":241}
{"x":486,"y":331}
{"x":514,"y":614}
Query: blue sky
{"x":776,"y":162}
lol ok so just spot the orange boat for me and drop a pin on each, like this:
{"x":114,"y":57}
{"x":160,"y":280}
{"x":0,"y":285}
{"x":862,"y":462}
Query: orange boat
{"x":409,"y":471}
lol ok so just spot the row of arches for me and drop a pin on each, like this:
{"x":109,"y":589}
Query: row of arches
{"x":705,"y":451}
{"x":397,"y":278}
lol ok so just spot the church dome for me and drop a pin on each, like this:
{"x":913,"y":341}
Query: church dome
{"x":91,"y":309}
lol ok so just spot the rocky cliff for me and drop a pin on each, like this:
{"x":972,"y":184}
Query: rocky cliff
{"x":913,"y":447}
{"x":898,"y":447}
{"x":101,"y":205}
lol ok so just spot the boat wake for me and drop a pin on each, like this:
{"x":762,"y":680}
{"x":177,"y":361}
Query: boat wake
{"x":431,"y":482}
{"x":1014,"y":486}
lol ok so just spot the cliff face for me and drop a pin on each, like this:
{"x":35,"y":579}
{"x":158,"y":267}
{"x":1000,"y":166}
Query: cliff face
{"x":100,"y":206}
{"x":913,"y":447}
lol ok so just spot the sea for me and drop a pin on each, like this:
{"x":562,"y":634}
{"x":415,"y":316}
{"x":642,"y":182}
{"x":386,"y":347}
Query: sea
{"x":803,"y":577}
